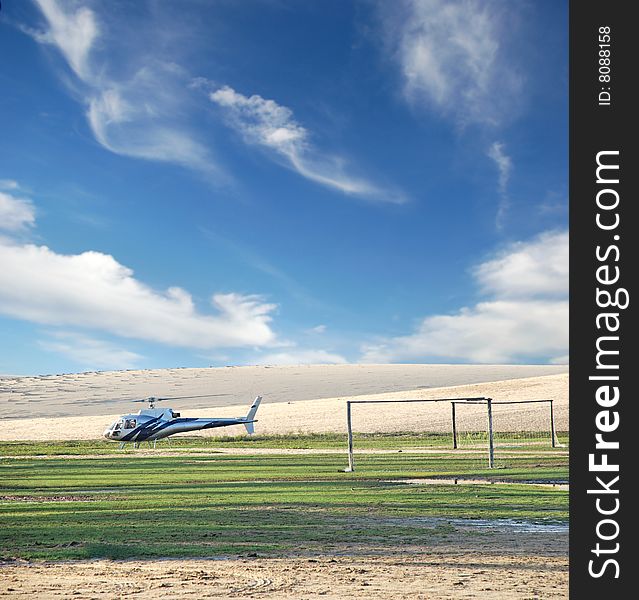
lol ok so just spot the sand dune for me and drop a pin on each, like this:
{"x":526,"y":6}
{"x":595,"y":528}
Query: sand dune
{"x":297,"y":401}
{"x":99,"y":393}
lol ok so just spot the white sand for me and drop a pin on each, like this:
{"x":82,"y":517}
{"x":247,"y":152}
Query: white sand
{"x":99,"y":393}
{"x":294,"y":398}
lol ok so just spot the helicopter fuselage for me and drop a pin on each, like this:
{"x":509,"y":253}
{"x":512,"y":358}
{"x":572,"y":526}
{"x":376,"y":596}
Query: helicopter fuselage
{"x":156,"y":424}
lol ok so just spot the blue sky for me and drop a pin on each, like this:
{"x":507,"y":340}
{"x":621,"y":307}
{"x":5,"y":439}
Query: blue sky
{"x":272,"y":182}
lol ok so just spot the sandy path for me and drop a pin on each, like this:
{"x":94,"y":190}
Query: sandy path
{"x":414,"y":574}
{"x":329,"y":414}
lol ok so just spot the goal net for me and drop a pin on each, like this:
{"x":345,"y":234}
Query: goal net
{"x":511,"y":424}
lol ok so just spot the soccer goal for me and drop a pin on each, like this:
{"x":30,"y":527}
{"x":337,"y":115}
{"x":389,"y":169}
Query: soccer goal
{"x":477,"y":425}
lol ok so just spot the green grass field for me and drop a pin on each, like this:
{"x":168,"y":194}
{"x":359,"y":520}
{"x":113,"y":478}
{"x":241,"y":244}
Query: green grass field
{"x":76,"y":500}
{"x":371,"y":441}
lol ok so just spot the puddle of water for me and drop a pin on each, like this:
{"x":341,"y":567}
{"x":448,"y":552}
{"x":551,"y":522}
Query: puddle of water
{"x":503,"y":525}
{"x":510,"y":524}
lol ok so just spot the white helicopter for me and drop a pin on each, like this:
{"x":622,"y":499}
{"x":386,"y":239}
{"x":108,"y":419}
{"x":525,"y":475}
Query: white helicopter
{"x":153,"y":424}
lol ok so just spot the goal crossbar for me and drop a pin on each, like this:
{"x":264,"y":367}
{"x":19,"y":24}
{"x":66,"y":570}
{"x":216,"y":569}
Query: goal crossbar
{"x":416,"y":400}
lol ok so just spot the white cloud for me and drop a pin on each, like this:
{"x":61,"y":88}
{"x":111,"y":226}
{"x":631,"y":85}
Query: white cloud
{"x":130,"y":119}
{"x":504,"y":165}
{"x":490,"y":332}
{"x":526,"y":318}
{"x":90,"y":352}
{"x":73,"y":31}
{"x":317,"y":329}
{"x":134,"y":108}
{"x":528,"y":269}
{"x":451,"y":56}
{"x":265,"y":123}
{"x":9,"y":184}
{"x":16,"y":214}
{"x":301,"y":357}
{"x":92,"y":290}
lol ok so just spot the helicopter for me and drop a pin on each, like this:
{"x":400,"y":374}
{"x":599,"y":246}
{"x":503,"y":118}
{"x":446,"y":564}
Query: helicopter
{"x":153,"y":424}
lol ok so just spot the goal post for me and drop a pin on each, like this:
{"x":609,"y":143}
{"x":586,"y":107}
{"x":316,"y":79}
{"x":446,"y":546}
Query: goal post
{"x":349,"y":417}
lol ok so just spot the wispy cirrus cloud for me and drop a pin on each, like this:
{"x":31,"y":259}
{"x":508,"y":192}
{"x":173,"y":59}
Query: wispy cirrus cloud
{"x":318,"y":329}
{"x":137,"y":102}
{"x":72,"y":30}
{"x":452,"y":57}
{"x":16,"y":214}
{"x":504,"y":165}
{"x":135,"y":107}
{"x":9,"y":184}
{"x":525,"y":318}
{"x":265,"y":123}
{"x":137,"y":118}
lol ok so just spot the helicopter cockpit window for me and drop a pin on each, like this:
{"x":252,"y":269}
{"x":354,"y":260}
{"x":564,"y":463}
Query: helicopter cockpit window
{"x":129,"y":424}
{"x":118,"y":426}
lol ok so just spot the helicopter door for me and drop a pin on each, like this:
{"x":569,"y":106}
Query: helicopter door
{"x":130,"y":424}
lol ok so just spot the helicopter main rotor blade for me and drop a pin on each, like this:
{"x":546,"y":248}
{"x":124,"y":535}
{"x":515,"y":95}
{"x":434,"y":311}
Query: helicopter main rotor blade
{"x":152,"y":399}
{"x":184,"y":397}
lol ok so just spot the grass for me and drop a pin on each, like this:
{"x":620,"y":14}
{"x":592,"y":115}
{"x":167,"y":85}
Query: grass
{"x":213,"y":504}
{"x":370,"y":441}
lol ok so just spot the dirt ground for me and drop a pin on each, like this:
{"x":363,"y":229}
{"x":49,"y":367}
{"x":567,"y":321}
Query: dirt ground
{"x":525,"y":566}
{"x":428,"y":577}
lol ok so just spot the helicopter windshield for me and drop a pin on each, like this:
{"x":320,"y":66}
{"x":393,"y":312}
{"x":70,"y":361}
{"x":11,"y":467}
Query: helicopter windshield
{"x":118,"y":425}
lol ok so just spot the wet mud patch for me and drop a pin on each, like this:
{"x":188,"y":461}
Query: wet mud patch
{"x":439,"y":524}
{"x":557,"y":484}
{"x":512,"y":525}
